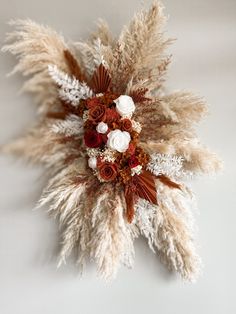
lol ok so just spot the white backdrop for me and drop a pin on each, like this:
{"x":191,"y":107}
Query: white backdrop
{"x":204,"y":61}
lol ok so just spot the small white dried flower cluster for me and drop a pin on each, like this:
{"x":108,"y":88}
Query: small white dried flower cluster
{"x":85,"y":115}
{"x":108,"y":155}
{"x":136,"y":126}
{"x":136,"y":170}
{"x":92,"y":152}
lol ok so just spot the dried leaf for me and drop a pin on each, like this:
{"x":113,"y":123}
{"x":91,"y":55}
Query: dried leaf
{"x":165,"y":180}
{"x":145,"y":186}
{"x":101,"y":80}
{"x":139,"y":95}
{"x":73,"y":65}
{"x":130,"y":202}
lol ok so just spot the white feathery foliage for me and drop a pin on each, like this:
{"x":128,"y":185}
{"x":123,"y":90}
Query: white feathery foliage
{"x":71,"y":126}
{"x":71,"y":90}
{"x":143,"y":219}
{"x":98,"y":53}
{"x":167,"y":164}
{"x":181,"y":202}
{"x":93,"y":54}
{"x":161,"y":223}
{"x":58,"y":190}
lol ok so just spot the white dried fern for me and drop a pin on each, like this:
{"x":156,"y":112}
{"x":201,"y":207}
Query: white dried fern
{"x":93,"y":53}
{"x":71,"y":126}
{"x":169,"y":165}
{"x":71,"y":90}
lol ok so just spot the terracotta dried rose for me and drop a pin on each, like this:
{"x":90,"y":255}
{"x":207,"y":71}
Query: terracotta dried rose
{"x":126,"y":125}
{"x":93,"y":139}
{"x":108,"y":171}
{"x":97,"y":113}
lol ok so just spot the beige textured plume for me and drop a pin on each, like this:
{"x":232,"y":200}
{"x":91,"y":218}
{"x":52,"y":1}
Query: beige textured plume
{"x":139,"y":47}
{"x":36,"y":47}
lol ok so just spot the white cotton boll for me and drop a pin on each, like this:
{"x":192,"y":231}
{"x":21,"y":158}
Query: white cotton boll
{"x":92,"y":162}
{"x":125,"y":105}
{"x":102,"y":127}
{"x":118,"y":140}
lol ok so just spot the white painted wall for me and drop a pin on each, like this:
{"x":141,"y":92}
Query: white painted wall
{"x":204,"y":61}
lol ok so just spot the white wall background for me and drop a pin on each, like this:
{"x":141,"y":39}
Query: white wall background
{"x":204,"y":61}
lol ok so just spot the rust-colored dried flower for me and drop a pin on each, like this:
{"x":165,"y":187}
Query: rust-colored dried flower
{"x":126,"y":125}
{"x":108,"y":171}
{"x":142,"y":157}
{"x":125,"y":174}
{"x":107,"y":99}
{"x":97,"y":113}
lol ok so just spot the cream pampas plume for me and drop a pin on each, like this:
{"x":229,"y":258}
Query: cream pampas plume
{"x":117,"y":148}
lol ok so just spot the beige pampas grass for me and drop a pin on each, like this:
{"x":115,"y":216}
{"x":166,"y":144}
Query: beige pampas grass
{"x":36,"y":46}
{"x":95,"y":227}
{"x":100,"y":219}
{"x":111,"y":239}
{"x":139,"y":46}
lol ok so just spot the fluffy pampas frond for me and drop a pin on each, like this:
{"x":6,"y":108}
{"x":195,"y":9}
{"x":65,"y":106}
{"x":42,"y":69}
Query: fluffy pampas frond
{"x":139,"y":46}
{"x":36,"y":46}
{"x":111,"y":241}
{"x":97,"y":229}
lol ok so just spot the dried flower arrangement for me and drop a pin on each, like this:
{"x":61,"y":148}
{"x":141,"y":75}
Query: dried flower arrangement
{"x":117,"y":148}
